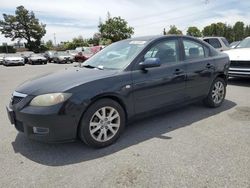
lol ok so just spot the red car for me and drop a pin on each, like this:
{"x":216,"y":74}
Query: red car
{"x":87,"y":53}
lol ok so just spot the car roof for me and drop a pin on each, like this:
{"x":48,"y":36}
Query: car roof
{"x":212,"y":37}
{"x":155,"y":37}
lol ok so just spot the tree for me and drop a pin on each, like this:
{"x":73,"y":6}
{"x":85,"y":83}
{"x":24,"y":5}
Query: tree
{"x":215,"y":29}
{"x":23,"y":25}
{"x":115,"y":29}
{"x":238,"y":29}
{"x":194,"y":31}
{"x":95,"y":40}
{"x":247,"y":31}
{"x":174,"y":30}
{"x":76,"y":42}
{"x":229,"y":34}
{"x":49,"y":44}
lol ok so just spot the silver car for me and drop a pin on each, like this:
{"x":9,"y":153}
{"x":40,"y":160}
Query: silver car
{"x":37,"y":59}
{"x":63,"y":57}
{"x":50,"y":55}
{"x":219,"y":43}
{"x":13,"y":59}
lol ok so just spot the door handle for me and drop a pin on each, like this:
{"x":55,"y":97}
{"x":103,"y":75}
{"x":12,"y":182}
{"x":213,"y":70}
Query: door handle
{"x":209,"y":66}
{"x":178,"y":71}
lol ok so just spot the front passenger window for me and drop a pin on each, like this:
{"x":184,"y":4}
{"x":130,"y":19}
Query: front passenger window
{"x":166,"y":51}
{"x":193,"y":50}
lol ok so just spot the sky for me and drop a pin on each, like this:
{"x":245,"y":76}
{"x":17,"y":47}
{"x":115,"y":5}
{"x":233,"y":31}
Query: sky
{"x":66,"y":19}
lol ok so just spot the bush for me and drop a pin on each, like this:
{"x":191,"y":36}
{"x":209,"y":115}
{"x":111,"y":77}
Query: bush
{"x":7,"y":49}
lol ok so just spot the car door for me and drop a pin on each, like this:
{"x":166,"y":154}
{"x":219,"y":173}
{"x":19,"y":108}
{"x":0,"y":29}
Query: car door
{"x":159,"y":86}
{"x":200,"y":68}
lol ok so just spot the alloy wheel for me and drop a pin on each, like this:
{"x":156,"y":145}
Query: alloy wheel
{"x":218,"y":92}
{"x":104,"y":124}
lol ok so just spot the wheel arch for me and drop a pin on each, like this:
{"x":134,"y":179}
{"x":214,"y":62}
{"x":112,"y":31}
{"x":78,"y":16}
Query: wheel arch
{"x":112,"y":96}
{"x":223,"y":76}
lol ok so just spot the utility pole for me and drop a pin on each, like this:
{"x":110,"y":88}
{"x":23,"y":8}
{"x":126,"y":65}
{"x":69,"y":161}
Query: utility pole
{"x":55,"y":39}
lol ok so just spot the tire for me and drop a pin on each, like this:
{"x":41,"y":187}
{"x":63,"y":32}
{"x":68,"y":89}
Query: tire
{"x":102,"y":126}
{"x":216,"y":93}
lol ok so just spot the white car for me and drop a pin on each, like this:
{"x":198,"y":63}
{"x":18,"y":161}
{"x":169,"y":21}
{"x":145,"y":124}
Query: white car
{"x":240,"y":59}
{"x":63,"y":57}
{"x":1,"y":58}
{"x":13,"y":59}
{"x":219,"y":43}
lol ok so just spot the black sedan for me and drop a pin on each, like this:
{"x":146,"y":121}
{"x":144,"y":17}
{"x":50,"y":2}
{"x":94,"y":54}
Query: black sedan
{"x":126,"y":79}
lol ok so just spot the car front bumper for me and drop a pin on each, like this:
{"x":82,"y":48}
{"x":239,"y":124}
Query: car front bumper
{"x":38,"y":61}
{"x":14,"y":63}
{"x":45,"y":124}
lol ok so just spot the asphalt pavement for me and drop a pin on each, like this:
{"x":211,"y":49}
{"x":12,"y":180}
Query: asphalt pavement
{"x":192,"y":146}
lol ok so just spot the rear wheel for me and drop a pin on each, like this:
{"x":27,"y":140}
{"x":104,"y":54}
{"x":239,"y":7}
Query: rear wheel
{"x":216,"y":94}
{"x":102,"y":123}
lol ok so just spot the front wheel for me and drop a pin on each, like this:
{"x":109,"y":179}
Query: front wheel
{"x":102,"y":123}
{"x":216,"y":94}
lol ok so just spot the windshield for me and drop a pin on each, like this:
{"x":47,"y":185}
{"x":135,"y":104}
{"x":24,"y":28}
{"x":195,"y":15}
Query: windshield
{"x":117,"y":55}
{"x":87,"y":51}
{"x":72,"y":51}
{"x":36,"y":55}
{"x":244,"y":43}
{"x":62,"y":53}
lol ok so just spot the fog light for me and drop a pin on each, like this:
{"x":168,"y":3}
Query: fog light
{"x":40,"y":130}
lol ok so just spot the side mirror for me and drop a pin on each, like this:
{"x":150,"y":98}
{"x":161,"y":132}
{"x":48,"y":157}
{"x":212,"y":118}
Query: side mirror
{"x":150,"y":62}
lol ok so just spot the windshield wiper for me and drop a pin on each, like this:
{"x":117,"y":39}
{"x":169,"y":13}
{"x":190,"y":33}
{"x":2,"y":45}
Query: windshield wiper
{"x":92,"y":67}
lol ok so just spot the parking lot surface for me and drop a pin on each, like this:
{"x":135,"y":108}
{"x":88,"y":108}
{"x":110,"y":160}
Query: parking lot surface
{"x":193,"y":146}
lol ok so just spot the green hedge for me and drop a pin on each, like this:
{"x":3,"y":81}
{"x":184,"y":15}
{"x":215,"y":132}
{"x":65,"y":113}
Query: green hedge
{"x":9,"y":49}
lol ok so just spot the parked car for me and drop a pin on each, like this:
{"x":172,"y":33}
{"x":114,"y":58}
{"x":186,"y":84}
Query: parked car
{"x":84,"y":55}
{"x":37,"y":59}
{"x":96,"y":100}
{"x":13,"y":59}
{"x":49,"y":55}
{"x":219,"y":43}
{"x":63,"y":57}
{"x":25,"y":55}
{"x":72,"y":52}
{"x":1,"y":58}
{"x":234,"y":44}
{"x":240,"y":59}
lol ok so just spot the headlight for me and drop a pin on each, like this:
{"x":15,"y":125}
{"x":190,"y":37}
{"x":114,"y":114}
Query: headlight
{"x":49,"y":99}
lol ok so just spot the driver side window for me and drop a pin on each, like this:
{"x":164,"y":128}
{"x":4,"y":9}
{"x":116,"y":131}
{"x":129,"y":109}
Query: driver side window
{"x":166,"y":51}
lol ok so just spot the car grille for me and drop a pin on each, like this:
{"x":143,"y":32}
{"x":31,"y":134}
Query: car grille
{"x":242,"y":64}
{"x":16,"y":100}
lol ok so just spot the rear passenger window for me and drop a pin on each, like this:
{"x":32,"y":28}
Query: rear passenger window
{"x":215,"y":43}
{"x":166,"y":51}
{"x":193,"y":50}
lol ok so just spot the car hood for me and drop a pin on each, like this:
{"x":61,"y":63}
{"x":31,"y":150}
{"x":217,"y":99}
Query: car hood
{"x":64,"y":56}
{"x":13,"y":58}
{"x":242,"y":54}
{"x":62,"y":81}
